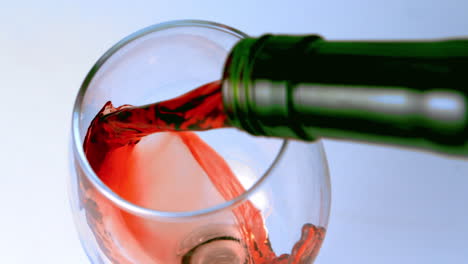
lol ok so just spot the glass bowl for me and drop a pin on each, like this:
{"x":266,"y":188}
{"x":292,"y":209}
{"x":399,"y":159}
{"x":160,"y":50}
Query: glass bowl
{"x":280,"y":217}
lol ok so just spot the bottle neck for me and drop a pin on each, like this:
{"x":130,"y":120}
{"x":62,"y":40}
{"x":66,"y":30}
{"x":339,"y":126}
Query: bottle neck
{"x":304,"y":87}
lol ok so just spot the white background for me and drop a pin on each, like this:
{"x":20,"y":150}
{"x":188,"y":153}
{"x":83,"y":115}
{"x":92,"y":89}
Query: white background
{"x":389,"y":205}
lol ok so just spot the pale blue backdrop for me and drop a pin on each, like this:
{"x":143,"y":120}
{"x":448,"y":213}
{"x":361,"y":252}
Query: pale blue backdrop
{"x":389,"y":205}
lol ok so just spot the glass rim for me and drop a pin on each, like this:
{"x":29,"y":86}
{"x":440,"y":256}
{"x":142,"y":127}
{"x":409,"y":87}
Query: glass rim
{"x":102,"y":188}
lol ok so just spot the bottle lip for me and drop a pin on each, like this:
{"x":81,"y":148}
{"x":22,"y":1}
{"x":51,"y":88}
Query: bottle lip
{"x":237,"y":84}
{"x":103,"y":188}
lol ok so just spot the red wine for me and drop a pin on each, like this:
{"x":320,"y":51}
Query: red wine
{"x":121,"y":142}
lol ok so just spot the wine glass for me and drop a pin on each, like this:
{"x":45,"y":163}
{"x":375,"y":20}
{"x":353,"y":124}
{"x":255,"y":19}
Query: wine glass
{"x":280,"y":216}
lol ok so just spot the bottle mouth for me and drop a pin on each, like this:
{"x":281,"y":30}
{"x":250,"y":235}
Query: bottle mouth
{"x":77,"y":137}
{"x":236,"y":85}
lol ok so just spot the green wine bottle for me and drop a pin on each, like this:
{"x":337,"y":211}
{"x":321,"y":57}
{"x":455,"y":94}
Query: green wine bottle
{"x":407,"y":93}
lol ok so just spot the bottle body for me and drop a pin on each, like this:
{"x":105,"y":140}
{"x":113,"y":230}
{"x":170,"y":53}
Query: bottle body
{"x":411,"y":94}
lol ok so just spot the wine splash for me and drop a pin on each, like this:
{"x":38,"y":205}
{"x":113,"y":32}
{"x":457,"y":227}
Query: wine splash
{"x":111,"y":143}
